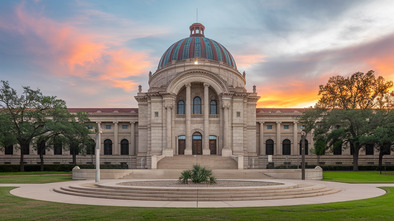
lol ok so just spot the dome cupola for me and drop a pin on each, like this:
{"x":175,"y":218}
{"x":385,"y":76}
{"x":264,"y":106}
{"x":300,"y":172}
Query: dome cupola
{"x":197,"y":46}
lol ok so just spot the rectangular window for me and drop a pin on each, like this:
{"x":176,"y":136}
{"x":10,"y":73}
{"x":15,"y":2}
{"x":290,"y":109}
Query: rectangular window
{"x":156,"y":114}
{"x":286,"y":127}
{"x":238,"y":114}
{"x":90,"y":127}
{"x":124,"y":126}
{"x":303,"y":127}
{"x":108,"y":127}
{"x":269,"y":127}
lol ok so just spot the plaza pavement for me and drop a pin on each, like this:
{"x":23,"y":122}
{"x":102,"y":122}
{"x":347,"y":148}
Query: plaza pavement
{"x":45,"y":192}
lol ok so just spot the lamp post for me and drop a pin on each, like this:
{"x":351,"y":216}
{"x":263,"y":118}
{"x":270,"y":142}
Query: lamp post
{"x":98,"y":147}
{"x":303,"y":134}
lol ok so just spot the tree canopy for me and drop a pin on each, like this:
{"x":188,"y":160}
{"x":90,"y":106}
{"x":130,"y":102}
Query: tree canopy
{"x":347,"y":111}
{"x":25,"y":118}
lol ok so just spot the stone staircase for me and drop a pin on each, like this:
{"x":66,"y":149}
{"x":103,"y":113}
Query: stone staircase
{"x":198,"y":194}
{"x":187,"y":162}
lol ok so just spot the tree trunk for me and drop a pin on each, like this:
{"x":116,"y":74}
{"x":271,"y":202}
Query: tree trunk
{"x":74,"y":158}
{"x":41,"y":161}
{"x":355,"y":157}
{"x":381,"y":152}
{"x":21,"y":165}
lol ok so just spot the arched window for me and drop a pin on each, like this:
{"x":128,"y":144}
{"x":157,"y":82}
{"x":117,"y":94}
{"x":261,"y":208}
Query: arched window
{"x":57,"y":147}
{"x":212,"y":107}
{"x":181,"y":107}
{"x":269,"y":147}
{"x":107,"y":147}
{"x":306,"y":147}
{"x":124,"y":147}
{"x":197,"y":105}
{"x":9,"y":150}
{"x":41,"y":148}
{"x":286,"y":146}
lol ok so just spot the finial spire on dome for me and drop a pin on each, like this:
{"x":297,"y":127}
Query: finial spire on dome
{"x":197,"y":29}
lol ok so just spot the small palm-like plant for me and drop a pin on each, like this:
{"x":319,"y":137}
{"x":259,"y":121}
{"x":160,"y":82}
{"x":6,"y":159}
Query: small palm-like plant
{"x":197,"y":175}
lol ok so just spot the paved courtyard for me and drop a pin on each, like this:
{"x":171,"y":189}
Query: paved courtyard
{"x":45,"y":192}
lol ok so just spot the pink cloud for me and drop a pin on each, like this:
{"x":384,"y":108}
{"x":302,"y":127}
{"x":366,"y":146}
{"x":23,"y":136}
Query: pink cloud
{"x":67,"y":50}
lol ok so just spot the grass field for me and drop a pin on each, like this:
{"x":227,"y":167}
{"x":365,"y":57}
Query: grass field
{"x":358,"y":177}
{"x":34,"y":177}
{"x":379,"y":208}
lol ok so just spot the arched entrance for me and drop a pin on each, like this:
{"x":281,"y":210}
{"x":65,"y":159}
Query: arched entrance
{"x":197,"y":144}
{"x":212,"y":145}
{"x":181,"y":145}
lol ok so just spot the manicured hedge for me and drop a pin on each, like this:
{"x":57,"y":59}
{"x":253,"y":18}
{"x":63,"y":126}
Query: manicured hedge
{"x":55,"y":167}
{"x":340,"y":168}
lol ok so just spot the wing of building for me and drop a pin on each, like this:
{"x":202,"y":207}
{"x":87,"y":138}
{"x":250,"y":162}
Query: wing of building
{"x":197,"y":104}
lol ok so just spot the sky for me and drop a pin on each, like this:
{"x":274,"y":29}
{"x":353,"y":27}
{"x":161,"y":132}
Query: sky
{"x":96,"y":53}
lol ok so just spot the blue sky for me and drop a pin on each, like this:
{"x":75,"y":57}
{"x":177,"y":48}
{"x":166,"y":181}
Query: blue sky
{"x":96,"y":53}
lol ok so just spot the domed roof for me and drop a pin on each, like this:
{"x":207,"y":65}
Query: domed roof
{"x":197,"y":46}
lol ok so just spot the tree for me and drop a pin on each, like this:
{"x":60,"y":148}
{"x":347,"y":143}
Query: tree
{"x":319,"y":148}
{"x":382,"y":136}
{"x":76,"y":135}
{"x":69,"y":129}
{"x":359,"y":91}
{"x":309,"y":120}
{"x":27,"y":115}
{"x":348,"y":102}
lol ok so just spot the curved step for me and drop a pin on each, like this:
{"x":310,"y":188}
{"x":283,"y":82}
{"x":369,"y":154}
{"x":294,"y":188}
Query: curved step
{"x":160,"y":194}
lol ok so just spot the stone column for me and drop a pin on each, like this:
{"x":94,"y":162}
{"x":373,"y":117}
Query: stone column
{"x":116,"y":141}
{"x":226,"y":151}
{"x":188,"y":150}
{"x":132,"y":139}
{"x":206,"y":150}
{"x":278,"y":141}
{"x":168,"y":151}
{"x":262,"y":148}
{"x":295,"y":139}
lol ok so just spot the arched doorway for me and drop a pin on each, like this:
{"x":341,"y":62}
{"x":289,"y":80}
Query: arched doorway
{"x":286,"y":147}
{"x":181,"y":145}
{"x":197,"y":144}
{"x":212,"y":145}
{"x":269,"y":147}
{"x":107,"y":147}
{"x":124,"y":147}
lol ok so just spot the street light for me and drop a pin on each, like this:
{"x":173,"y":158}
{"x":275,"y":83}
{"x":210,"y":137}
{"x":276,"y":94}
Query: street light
{"x":303,"y":134}
{"x":98,"y":147}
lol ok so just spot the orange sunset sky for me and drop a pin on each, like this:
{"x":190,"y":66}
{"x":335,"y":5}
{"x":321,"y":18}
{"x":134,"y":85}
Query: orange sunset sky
{"x":96,"y":53}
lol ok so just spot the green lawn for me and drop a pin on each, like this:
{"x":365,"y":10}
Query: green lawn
{"x":379,"y":208}
{"x":34,"y":177}
{"x":15,"y":208}
{"x":358,"y":177}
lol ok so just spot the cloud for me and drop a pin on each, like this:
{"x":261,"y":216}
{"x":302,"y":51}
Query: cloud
{"x":69,"y":52}
{"x":292,"y":80}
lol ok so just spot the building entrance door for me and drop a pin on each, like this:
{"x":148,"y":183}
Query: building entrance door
{"x":212,"y":147}
{"x":181,"y":147}
{"x":197,"y":144}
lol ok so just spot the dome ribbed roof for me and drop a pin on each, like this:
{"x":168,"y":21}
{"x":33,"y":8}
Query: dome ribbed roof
{"x":197,"y":46}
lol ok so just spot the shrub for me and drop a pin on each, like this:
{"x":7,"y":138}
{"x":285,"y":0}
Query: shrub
{"x":197,"y":175}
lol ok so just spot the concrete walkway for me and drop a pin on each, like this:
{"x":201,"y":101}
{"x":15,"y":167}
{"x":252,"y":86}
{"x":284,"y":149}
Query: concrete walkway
{"x":45,"y":192}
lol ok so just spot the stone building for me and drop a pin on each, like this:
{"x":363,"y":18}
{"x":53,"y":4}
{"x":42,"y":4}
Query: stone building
{"x":197,"y":104}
